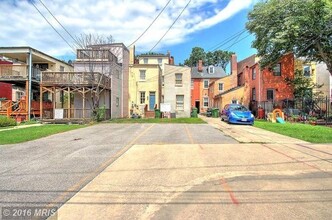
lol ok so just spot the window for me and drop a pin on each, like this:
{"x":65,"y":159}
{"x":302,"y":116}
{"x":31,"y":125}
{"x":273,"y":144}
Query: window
{"x":205,"y":102}
{"x":142,"y":74}
{"x":206,"y":83}
{"x":306,"y":71}
{"x":145,"y":60}
{"x":270,"y":94}
{"x":192,"y":83}
{"x":62,"y":68}
{"x":253,"y":94}
{"x":211,"y":69}
{"x":254,"y":73}
{"x":178,"y":79}
{"x":160,"y":61}
{"x":117,"y":102}
{"x":142,"y":97}
{"x":221,"y":87}
{"x":19,"y":95}
{"x":234,"y":101}
{"x":117,"y":73}
{"x":179,"y":102}
{"x":277,"y":70}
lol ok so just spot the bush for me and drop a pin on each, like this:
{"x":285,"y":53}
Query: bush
{"x":6,"y":122}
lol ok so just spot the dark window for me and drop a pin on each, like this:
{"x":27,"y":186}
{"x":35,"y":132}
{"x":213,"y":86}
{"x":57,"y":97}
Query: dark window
{"x":254,"y":73}
{"x":253,"y":94}
{"x":277,"y":70}
{"x":306,"y":71}
{"x":270,"y":94}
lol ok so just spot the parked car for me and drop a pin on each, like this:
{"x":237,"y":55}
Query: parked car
{"x":237,"y":114}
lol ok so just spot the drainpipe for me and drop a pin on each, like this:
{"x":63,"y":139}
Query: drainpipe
{"x":30,"y":81}
{"x":259,"y":85}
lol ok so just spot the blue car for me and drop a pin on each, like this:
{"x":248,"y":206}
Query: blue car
{"x":237,"y":114}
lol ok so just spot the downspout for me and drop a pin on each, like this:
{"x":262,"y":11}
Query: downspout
{"x":259,"y":85}
{"x":30,"y":80}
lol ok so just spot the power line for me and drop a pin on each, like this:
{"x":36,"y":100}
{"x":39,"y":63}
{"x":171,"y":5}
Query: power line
{"x":227,"y":40}
{"x":53,"y":27}
{"x":171,"y":26}
{"x":235,"y":42}
{"x":151,"y":23}
{"x":59,"y":22}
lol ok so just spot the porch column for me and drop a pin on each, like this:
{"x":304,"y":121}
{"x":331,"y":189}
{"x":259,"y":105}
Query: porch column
{"x":41,"y":102}
{"x":83,"y":102}
{"x":69,"y":102}
{"x":30,"y":77}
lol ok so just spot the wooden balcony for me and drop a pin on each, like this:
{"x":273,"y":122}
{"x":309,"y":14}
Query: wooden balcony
{"x":17,"y":72}
{"x":75,"y":79}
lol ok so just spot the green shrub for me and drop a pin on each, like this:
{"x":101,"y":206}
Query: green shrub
{"x":6,"y":122}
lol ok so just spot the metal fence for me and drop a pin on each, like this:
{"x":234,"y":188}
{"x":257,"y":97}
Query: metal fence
{"x":318,"y":108}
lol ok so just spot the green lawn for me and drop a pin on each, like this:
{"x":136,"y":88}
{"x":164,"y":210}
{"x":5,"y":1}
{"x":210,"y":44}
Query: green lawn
{"x":31,"y":133}
{"x":159,"y":120}
{"x":306,"y":132}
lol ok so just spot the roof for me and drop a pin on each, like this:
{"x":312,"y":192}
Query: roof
{"x":218,"y":73}
{"x":9,"y":50}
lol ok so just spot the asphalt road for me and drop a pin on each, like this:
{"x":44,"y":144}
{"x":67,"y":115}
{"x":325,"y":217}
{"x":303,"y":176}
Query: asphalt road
{"x":49,"y":171}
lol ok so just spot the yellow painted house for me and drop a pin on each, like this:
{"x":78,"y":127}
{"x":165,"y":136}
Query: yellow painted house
{"x":144,"y":86}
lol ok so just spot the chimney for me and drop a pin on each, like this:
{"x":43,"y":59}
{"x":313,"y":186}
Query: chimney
{"x":132,"y":55}
{"x":200,"y":66}
{"x":171,"y":60}
{"x":233,"y":64}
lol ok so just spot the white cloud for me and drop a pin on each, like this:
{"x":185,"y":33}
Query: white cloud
{"x":22,"y":25}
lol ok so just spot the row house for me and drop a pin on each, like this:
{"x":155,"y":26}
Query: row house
{"x":202,"y":77}
{"x":20,"y":73}
{"x":155,"y":80}
{"x":250,"y":86}
{"x":177,"y":89}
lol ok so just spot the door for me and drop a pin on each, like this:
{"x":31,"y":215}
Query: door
{"x":152,"y":100}
{"x":197,"y":105}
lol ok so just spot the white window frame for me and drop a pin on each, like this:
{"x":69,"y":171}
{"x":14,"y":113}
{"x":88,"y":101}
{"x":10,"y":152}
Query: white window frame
{"x":178,"y":82}
{"x":145,"y":60}
{"x":142,"y":97}
{"x":304,"y":72}
{"x":211,"y":68}
{"x":179,"y":103}
{"x":205,"y":102}
{"x":141,"y":72}
{"x":206,"y":80}
{"x":222,"y":85}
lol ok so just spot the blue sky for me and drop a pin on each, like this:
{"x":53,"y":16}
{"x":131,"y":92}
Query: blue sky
{"x":204,"y":23}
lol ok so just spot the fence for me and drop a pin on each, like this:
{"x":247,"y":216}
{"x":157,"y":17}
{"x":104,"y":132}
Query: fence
{"x":319,"y":108}
{"x":75,"y":114}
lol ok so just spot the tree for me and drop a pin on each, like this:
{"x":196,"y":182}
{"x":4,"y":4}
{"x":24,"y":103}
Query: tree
{"x":197,"y":53}
{"x":303,"y":86}
{"x":303,"y":27}
{"x":93,"y":48}
{"x":217,"y":58}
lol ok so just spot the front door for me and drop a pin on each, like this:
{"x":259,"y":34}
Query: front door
{"x":197,"y":105}
{"x":152,"y":100}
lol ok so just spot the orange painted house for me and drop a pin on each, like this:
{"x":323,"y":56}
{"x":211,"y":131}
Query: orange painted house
{"x":201,"y":78}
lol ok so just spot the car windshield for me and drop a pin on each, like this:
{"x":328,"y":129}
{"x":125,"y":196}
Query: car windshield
{"x":238,"y":108}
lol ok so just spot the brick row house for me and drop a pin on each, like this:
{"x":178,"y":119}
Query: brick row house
{"x":247,"y":84}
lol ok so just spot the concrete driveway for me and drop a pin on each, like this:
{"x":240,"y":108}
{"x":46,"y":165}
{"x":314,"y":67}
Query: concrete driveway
{"x":288,"y":180}
{"x":51,"y":170}
{"x":168,"y":171}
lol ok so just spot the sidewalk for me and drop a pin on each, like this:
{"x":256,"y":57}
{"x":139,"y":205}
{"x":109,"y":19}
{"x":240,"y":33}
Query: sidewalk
{"x":250,"y":134}
{"x":20,"y":126}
